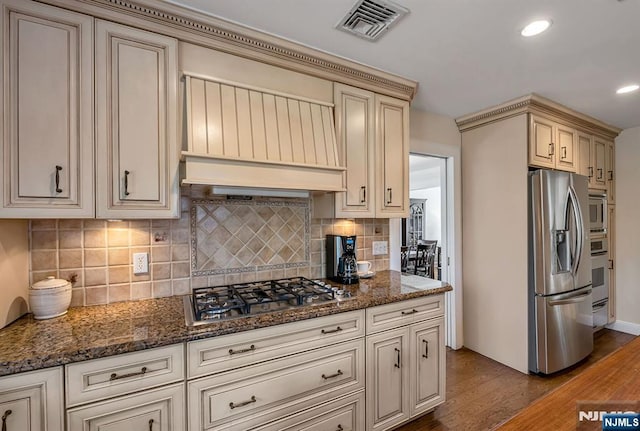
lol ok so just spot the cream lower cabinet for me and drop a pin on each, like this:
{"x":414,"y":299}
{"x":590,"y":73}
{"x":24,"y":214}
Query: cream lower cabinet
{"x":32,"y":401}
{"x":47,"y":90}
{"x":140,"y":390}
{"x":373,"y":144}
{"x":137,"y":163}
{"x":302,"y":375}
{"x":406,"y":364}
{"x":160,"y":409}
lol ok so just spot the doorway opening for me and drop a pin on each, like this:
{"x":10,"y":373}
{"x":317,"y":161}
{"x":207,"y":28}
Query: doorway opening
{"x":425,"y":230}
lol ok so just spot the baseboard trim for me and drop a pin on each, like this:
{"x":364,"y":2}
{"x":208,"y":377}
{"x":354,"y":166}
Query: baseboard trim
{"x":626,"y":327}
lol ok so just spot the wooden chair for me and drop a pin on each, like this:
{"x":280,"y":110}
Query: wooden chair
{"x":425,"y":258}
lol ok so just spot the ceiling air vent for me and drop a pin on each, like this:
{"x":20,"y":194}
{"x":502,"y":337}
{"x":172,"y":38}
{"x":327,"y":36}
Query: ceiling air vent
{"x":370,"y":19}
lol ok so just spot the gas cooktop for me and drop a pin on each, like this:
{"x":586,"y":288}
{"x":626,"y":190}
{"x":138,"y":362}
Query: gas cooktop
{"x":212,"y":304}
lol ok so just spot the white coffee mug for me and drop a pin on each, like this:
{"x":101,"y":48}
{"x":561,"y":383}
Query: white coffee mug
{"x":364,"y":266}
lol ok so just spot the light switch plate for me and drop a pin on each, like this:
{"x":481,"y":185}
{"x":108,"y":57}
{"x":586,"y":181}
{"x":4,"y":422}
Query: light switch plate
{"x":380,"y":247}
{"x":140,"y":263}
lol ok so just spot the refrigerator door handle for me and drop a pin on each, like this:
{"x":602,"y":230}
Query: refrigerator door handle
{"x":579,"y":228}
{"x":572,"y":300}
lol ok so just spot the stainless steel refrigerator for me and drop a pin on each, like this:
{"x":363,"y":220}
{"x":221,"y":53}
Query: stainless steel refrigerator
{"x":560,"y":304}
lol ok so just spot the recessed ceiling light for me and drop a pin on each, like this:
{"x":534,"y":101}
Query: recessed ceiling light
{"x":535,"y":27}
{"x":627,"y":89}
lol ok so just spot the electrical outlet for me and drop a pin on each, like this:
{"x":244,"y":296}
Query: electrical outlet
{"x":380,"y":247}
{"x":140,"y":263}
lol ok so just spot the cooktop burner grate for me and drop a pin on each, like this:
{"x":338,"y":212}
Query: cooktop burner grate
{"x":221,"y":302}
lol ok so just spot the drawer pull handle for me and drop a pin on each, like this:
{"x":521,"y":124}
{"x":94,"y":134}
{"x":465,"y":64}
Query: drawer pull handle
{"x":564,"y":153}
{"x":331,"y":331}
{"x":235,"y":352}
{"x":590,"y":171}
{"x":552,"y":149}
{"x":340,"y":428}
{"x":610,"y":175}
{"x":331,"y":376}
{"x":58,"y":169}
{"x":150,"y":424}
{"x":142,"y":372}
{"x":600,"y":174}
{"x":406,"y":313}
{"x":244,"y":403}
{"x":4,"y":419}
{"x":397,"y":364}
{"x":426,"y":349}
{"x":364,"y":194}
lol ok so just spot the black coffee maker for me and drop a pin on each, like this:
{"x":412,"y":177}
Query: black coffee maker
{"x":342,"y":265}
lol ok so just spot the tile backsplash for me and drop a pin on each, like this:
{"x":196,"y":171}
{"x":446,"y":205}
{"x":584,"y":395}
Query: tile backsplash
{"x":215,"y":241}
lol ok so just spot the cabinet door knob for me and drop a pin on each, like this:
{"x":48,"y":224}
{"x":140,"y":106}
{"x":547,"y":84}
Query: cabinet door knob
{"x":126,"y":183}
{"x":4,"y":419}
{"x":58,"y":169}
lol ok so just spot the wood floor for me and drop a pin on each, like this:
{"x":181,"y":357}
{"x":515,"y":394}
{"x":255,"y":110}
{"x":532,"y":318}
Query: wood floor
{"x":481,"y":393}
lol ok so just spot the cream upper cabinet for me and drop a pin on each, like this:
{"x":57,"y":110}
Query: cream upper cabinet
{"x":136,"y":84}
{"x":392,"y":157}
{"x":355,"y":121}
{"x":566,"y":139}
{"x":373,"y":146}
{"x":32,"y":401}
{"x":609,"y":161}
{"x":599,"y":168}
{"x":586,"y":157}
{"x":47,"y":90}
{"x":552,"y":145}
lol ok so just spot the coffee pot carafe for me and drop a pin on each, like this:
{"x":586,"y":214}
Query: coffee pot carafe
{"x":342,"y":264}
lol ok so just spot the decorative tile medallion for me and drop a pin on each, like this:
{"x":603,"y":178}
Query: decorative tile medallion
{"x":236,"y":236}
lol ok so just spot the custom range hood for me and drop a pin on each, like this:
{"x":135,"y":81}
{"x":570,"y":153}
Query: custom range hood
{"x":244,"y":138}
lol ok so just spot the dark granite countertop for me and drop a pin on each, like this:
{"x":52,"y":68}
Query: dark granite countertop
{"x":98,"y":331}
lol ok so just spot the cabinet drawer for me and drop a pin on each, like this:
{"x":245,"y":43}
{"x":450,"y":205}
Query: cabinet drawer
{"x":403,"y":313}
{"x":228,"y":352}
{"x":159,"y":409}
{"x":342,"y":414}
{"x":118,"y":375}
{"x":233,"y":401}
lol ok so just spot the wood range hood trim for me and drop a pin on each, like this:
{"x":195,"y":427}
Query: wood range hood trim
{"x":244,"y":136}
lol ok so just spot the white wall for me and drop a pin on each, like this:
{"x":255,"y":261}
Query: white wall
{"x":627,"y":242}
{"x":437,"y":135}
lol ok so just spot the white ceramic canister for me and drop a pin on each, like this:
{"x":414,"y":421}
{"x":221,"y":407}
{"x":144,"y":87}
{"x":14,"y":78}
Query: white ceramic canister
{"x":50,"y":298}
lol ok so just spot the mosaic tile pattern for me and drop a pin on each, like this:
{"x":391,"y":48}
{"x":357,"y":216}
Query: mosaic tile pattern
{"x":245,"y":236}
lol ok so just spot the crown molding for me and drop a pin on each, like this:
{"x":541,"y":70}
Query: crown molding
{"x":196,"y":27}
{"x":534,"y":103}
